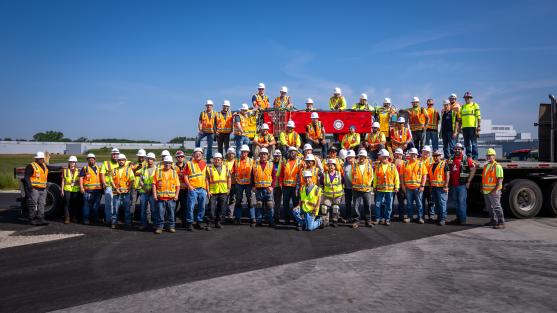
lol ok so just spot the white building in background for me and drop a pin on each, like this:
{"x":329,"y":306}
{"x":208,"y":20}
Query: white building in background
{"x":492,"y":132}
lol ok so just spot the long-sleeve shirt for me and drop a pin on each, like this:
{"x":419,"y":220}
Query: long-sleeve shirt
{"x":337,"y":104}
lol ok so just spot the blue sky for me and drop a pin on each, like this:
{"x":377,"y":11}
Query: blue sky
{"x":143,"y":69}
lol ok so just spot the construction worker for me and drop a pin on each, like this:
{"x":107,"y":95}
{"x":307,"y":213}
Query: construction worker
{"x":362,"y":182}
{"x":455,"y":106}
{"x":289,"y":183}
{"x":145,"y":178}
{"x":310,"y":200}
{"x":136,"y":168}
{"x":439,"y":173}
{"x":310,"y":165}
{"x":91,"y":188}
{"x":351,"y":140}
{"x":375,"y":141}
{"x":166,"y":190}
{"x":207,"y":127}
{"x":385,"y":115}
{"x":315,"y":133}
{"x":432,"y":127}
{"x":463,"y":170}
{"x":229,"y":163}
{"x":283,"y":102}
{"x":308,"y":149}
{"x":195,"y":178}
{"x":224,"y":127}
{"x":363,"y":105}
{"x":240,"y":128}
{"x":333,"y":191}
{"x":35,"y":181}
{"x":339,"y":161}
{"x":401,"y":136}
{"x":400,"y":196}
{"x":349,"y":164}
{"x":492,"y":183}
{"x":470,"y":117}
{"x":386,"y":184}
{"x":242,"y":174}
{"x":180,"y":167}
{"x":263,"y":140}
{"x":277,"y":190}
{"x":413,"y":179}
{"x":260,"y":99}
{"x":219,"y":182}
{"x":122,"y":182}
{"x":107,"y":170}
{"x":264,"y":177}
{"x":337,"y":102}
{"x":449,"y":128}
{"x":163,"y":154}
{"x":418,"y":120}
{"x":289,"y":138}
{"x":427,"y":201}
{"x":309,"y":105}
{"x":70,"y":190}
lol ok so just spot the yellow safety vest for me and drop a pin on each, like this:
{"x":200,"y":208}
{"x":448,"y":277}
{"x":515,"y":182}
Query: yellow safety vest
{"x":332,"y":188}
{"x":218,"y":182}
{"x":71,"y":181}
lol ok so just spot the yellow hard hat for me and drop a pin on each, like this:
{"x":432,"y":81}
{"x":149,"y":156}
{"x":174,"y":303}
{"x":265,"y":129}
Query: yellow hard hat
{"x":491,"y":151}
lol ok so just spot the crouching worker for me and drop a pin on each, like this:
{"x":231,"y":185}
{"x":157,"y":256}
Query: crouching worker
{"x":166,"y":189}
{"x":333,"y":191}
{"x":219,"y":182}
{"x":310,"y":199}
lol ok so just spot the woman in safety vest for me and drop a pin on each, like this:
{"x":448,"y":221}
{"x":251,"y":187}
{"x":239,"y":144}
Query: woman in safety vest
{"x":70,"y":190}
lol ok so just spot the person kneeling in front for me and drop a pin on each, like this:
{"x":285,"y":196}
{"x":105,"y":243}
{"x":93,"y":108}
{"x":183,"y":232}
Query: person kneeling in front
{"x":306,"y":212}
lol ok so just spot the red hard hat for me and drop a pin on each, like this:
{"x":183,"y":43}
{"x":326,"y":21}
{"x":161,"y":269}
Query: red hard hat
{"x":467,"y":94}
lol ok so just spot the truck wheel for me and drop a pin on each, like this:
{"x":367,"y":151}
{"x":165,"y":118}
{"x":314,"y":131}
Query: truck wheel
{"x":54,"y":201}
{"x":551,"y":199}
{"x":523,"y":198}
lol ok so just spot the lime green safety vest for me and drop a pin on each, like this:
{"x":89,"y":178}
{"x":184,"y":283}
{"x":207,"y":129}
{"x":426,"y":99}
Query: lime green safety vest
{"x":332,"y":189}
{"x":71,"y":181}
{"x":309,"y":201}
{"x":469,"y":114}
{"x":146,"y":176}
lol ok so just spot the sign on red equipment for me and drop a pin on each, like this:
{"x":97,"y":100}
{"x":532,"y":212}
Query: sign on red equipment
{"x":334,"y":122}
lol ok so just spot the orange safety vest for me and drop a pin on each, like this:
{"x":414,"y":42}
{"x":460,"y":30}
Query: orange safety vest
{"x":263,"y":102}
{"x":375,"y":138}
{"x":40,"y":175}
{"x":438,"y":177}
{"x":197,"y":176}
{"x":180,"y":172}
{"x":427,"y":162}
{"x":398,"y":137}
{"x":314,"y":176}
{"x":243,"y":171}
{"x":417,"y":118}
{"x":208,"y":123}
{"x":281,"y":103}
{"x":291,"y":138}
{"x":489,"y":177}
{"x":291,"y":171}
{"x":385,"y":179}
{"x":242,"y":123}
{"x":264,"y":138}
{"x":349,"y":139}
{"x":122,"y":177}
{"x":362,"y":181}
{"x":413,"y":173}
{"x":263,"y":177}
{"x":433,"y":115}
{"x":224,"y":122}
{"x":166,"y":182}
{"x":315,"y":132}
{"x":92,"y":180}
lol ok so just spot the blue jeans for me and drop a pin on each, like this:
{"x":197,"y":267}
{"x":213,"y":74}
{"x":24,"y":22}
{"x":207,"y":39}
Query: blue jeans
{"x":440,"y":200}
{"x":459,"y":194}
{"x":383,"y":205}
{"x":240,"y":140}
{"x":307,"y":221}
{"x":432,"y":137}
{"x":168,"y":207}
{"x":199,"y":196}
{"x":448,"y":144}
{"x":288,"y":195}
{"x":414,"y":195}
{"x":91,"y":203}
{"x":242,"y":190}
{"x":108,"y":200}
{"x":122,"y":199}
{"x":210,"y":137}
{"x":470,"y":141}
{"x":264,"y":199}
{"x":147,"y":198}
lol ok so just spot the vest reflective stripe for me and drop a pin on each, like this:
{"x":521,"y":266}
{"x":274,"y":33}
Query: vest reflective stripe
{"x":166,"y":183}
{"x":91,"y":180}
{"x":224,"y":122}
{"x":208,"y":123}
{"x":196,"y":176}
{"x":277,"y":174}
{"x":464,"y":173}
{"x":122,"y":178}
{"x":242,"y":123}
{"x":243,"y":171}
{"x":349,"y":140}
{"x":71,"y":181}
{"x":412,"y":174}
{"x":308,"y":202}
{"x":230,"y":166}
{"x":263,"y":102}
{"x":260,"y":138}
{"x":314,"y":132}
{"x":385,"y":178}
{"x":263,"y":177}
{"x":375,"y":138}
{"x":417,"y":118}
{"x":334,"y":102}
{"x":291,"y":138}
{"x":362,"y":181}
{"x":489,"y":177}
{"x":433,"y":115}
{"x":398,"y":137}
{"x":40,"y":176}
{"x":147,"y":176}
{"x":438,"y":177}
{"x":385,"y":119}
{"x":109,"y":171}
{"x":334,"y":188}
{"x":251,"y":126}
{"x":291,"y":171}
{"x":218,"y":181}
{"x":427,"y":162}
{"x":469,"y":113}
{"x":281,"y":104}
{"x":314,"y":176}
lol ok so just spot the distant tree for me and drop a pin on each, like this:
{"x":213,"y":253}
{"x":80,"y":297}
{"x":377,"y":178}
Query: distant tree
{"x":65,"y":140}
{"x":49,"y":135}
{"x":81,"y":139}
{"x":7,"y":139}
{"x":119,"y":140}
{"x":177,"y":140}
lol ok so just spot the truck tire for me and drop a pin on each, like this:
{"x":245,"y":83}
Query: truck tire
{"x":54,"y":201}
{"x":551,"y":199}
{"x":523,"y":198}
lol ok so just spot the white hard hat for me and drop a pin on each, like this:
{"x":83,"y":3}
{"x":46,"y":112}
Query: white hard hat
{"x":164,"y":153}
{"x":342,"y":153}
{"x":264,"y":150}
{"x":307,"y":174}
{"x":307,"y":146}
{"x":309,"y":100}
{"x":413,"y":151}
{"x":72,"y":158}
{"x":141,"y":153}
{"x":265,"y":126}
{"x":331,"y":161}
{"x":351,"y":153}
{"x":217,"y":156}
{"x":244,"y":148}
{"x":39,"y":155}
{"x":375,"y":125}
{"x":290,"y":124}
{"x":337,"y":91}
{"x":314,"y":115}
{"x":283,"y":89}
{"x":415,"y":99}
{"x":310,"y":157}
{"x":226,"y":103}
{"x":459,"y":145}
{"x":292,"y":149}
{"x":362,"y":153}
{"x":438,"y":152}
{"x":453,"y":95}
{"x":231,"y":151}
{"x":122,"y":157}
{"x":244,"y":107}
{"x":384,"y":153}
{"x":400,"y":120}
{"x":277,"y":152}
{"x":399,"y":151}
{"x":198,"y":149}
{"x":363,"y":96}
{"x":151,"y":155}
{"x":209,"y":102}
{"x":446,"y":102}
{"x":387,"y":100}
{"x":167,"y":159}
{"x":427,"y":148}
{"x":261,"y":86}
{"x":115,"y":150}
{"x":91,"y":155}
